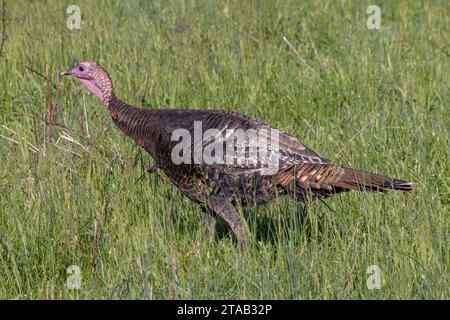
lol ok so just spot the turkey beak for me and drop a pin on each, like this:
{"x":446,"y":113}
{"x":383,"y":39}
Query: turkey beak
{"x":67,"y":73}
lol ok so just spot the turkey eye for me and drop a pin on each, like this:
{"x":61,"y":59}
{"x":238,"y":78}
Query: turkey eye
{"x":81,"y":68}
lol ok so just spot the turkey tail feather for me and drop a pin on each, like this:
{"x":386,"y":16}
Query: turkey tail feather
{"x":355,"y":179}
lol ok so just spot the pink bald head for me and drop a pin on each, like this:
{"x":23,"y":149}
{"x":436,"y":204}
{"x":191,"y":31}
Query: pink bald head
{"x":94,"y":78}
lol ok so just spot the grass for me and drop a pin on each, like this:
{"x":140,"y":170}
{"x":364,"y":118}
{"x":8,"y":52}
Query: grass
{"x":372,"y":99}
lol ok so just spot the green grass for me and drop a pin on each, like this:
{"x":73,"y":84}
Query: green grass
{"x":373,"y":99}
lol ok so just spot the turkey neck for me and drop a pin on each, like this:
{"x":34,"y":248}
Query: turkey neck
{"x":137,"y":123}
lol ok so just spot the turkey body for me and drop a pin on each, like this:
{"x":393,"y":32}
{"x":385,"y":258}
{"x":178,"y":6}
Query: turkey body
{"x":300,"y":171}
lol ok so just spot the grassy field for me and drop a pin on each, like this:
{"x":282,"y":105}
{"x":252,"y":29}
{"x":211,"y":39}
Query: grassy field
{"x":74,"y":190}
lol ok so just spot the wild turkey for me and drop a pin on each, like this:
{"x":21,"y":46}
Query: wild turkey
{"x":219,"y":186}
